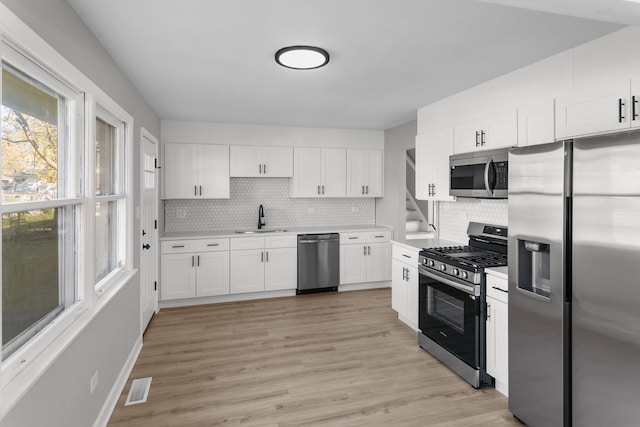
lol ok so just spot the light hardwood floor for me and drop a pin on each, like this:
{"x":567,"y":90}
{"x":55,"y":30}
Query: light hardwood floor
{"x":333,"y":359}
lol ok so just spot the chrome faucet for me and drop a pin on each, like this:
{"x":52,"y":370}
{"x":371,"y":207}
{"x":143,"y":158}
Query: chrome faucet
{"x":261,"y":221}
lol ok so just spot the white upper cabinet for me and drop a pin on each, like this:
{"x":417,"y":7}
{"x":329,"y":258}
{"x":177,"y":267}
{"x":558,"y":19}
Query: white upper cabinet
{"x":489,"y":132}
{"x":610,"y":107}
{"x":364,"y":173}
{"x":432,"y":165}
{"x":536,"y":123}
{"x":258,"y":161}
{"x":319,"y":172}
{"x":196,"y":171}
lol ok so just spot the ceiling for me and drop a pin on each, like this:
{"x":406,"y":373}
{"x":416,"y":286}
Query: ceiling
{"x":213,"y":60}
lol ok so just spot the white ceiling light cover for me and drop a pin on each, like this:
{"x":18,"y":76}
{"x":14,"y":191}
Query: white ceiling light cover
{"x":302,"y":57}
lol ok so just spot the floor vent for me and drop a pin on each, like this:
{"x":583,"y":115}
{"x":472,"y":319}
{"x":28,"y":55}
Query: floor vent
{"x":138,"y":392}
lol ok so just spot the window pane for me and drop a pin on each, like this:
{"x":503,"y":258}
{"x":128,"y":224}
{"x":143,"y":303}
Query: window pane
{"x":29,"y":118}
{"x":106,"y":238}
{"x":36,"y":246}
{"x":106,"y":156}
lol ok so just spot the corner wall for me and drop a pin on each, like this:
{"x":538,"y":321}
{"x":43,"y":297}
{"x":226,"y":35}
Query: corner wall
{"x":61,"y":396}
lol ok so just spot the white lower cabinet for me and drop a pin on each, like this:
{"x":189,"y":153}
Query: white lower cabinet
{"x":498,"y":332}
{"x":194,"y":268}
{"x":404,"y":284}
{"x":365,"y":257}
{"x":264,"y":264}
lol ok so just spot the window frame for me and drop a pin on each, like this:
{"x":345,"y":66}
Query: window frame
{"x":25,"y":367}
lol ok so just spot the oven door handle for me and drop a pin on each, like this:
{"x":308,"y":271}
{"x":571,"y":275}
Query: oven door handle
{"x":487,"y":184}
{"x":470,"y":289}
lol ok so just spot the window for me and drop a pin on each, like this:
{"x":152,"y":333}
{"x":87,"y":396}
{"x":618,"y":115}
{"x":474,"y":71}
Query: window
{"x":110,"y":196}
{"x":40,"y":203}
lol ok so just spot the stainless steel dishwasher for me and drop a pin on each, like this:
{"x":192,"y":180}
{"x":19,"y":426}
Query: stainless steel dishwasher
{"x":318,"y":262}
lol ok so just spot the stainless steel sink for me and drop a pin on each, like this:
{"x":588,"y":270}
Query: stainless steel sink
{"x":259,"y":231}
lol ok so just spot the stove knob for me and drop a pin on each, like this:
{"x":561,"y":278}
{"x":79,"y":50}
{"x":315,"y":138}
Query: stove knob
{"x":432,"y":263}
{"x":443,"y":267}
{"x":465,"y":275}
{"x":456,"y":271}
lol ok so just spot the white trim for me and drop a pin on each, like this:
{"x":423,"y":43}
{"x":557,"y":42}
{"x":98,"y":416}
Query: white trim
{"x":226,"y":298}
{"x":39,"y":205}
{"x":112,"y":399}
{"x":363,"y":286}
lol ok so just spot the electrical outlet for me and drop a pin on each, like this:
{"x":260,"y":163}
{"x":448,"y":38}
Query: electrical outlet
{"x":94,"y":382}
{"x":181,"y":213}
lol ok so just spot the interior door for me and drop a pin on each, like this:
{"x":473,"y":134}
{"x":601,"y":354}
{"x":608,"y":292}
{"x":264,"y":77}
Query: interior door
{"x":148,"y":229}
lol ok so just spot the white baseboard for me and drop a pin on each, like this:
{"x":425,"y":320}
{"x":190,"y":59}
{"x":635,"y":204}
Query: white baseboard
{"x":363,"y":286}
{"x":226,"y":298}
{"x":116,"y":390}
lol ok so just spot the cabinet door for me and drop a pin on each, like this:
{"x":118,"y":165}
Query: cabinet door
{"x":333,"y":172}
{"x":180,"y":171}
{"x":213,"y":161}
{"x":378,"y":262}
{"x":353,"y":264}
{"x":374,"y":174}
{"x":412,"y":296}
{"x":593,"y":111}
{"x":281,"y":269}
{"x":245,"y":161}
{"x":306,"y":172}
{"x":536,"y":123}
{"x":399,"y":294}
{"x":212,"y":273}
{"x":441,"y":150}
{"x":432,"y":165}
{"x":247,"y":271}
{"x":356,"y":172}
{"x":178,"y":274}
{"x":501,"y":130}
{"x":467,"y":136}
{"x":277,"y":162}
{"x":497,"y":343}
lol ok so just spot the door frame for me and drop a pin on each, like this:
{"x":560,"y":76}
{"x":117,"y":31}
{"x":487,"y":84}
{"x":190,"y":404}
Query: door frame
{"x":145,"y":134}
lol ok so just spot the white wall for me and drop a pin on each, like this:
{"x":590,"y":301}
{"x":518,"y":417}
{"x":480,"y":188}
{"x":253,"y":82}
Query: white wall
{"x":390,"y":210}
{"x":61,"y":396}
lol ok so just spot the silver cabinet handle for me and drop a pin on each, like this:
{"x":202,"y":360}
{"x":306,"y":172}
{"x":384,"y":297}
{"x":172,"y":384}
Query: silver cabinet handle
{"x":195,"y":190}
{"x":201,"y":190}
{"x":378,"y":237}
{"x":365,"y":250}
{"x":404,"y":273}
{"x":368,"y":250}
{"x":477,"y":139}
{"x":363,"y":189}
{"x":267,"y":256}
{"x":213,"y":244}
{"x":261,"y":256}
{"x":351,"y":238}
{"x":193,"y":261}
{"x":260,"y":168}
{"x":177,"y":246}
{"x":264,"y":168}
{"x":318,"y":189}
{"x":433,"y":186}
{"x":323,"y":189}
{"x":482,"y":134}
{"x":198,"y":260}
{"x":488,"y":311}
{"x":367,"y":189}
{"x":408,"y":275}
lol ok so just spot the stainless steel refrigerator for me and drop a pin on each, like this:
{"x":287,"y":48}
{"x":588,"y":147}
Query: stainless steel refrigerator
{"x":574,"y":287}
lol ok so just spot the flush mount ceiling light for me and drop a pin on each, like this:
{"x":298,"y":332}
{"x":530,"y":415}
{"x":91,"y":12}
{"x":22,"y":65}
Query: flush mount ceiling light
{"x":302,"y":57}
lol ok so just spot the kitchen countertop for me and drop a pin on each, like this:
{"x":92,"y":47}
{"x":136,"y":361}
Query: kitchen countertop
{"x":206,"y":234}
{"x":501,"y":272}
{"x":426,"y":243}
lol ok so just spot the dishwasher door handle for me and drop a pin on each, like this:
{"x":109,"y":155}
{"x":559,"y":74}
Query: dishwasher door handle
{"x":319,"y":241}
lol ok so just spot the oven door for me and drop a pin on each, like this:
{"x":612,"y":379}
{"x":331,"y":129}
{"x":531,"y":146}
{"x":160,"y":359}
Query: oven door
{"x":449,"y":314}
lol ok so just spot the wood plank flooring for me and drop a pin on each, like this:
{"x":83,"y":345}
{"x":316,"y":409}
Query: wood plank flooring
{"x":333,"y":359}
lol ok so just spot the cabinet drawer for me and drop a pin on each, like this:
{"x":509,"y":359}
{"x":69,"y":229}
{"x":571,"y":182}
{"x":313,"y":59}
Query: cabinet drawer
{"x":405,"y":255}
{"x":178,"y":246}
{"x":281,"y":241}
{"x":246,"y":243}
{"x":346,"y":238}
{"x":497,"y":288}
{"x":379,"y":236}
{"x":212,"y":245}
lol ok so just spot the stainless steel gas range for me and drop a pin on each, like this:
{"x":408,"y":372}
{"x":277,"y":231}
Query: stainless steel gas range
{"x":452,"y":305}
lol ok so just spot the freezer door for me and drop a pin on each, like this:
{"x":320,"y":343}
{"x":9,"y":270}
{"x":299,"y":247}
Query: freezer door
{"x":606,"y":288}
{"x":537,"y":300}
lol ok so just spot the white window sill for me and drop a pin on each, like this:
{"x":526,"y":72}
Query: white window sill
{"x":21,"y":371}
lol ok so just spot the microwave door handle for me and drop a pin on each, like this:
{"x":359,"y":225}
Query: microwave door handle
{"x":487,"y":185}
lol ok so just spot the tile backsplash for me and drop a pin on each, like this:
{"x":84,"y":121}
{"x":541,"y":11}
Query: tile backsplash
{"x":240,"y":211}
{"x":453,"y":217}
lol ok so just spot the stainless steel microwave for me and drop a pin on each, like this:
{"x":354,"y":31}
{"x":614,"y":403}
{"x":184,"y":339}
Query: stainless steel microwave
{"x":482,"y":174}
